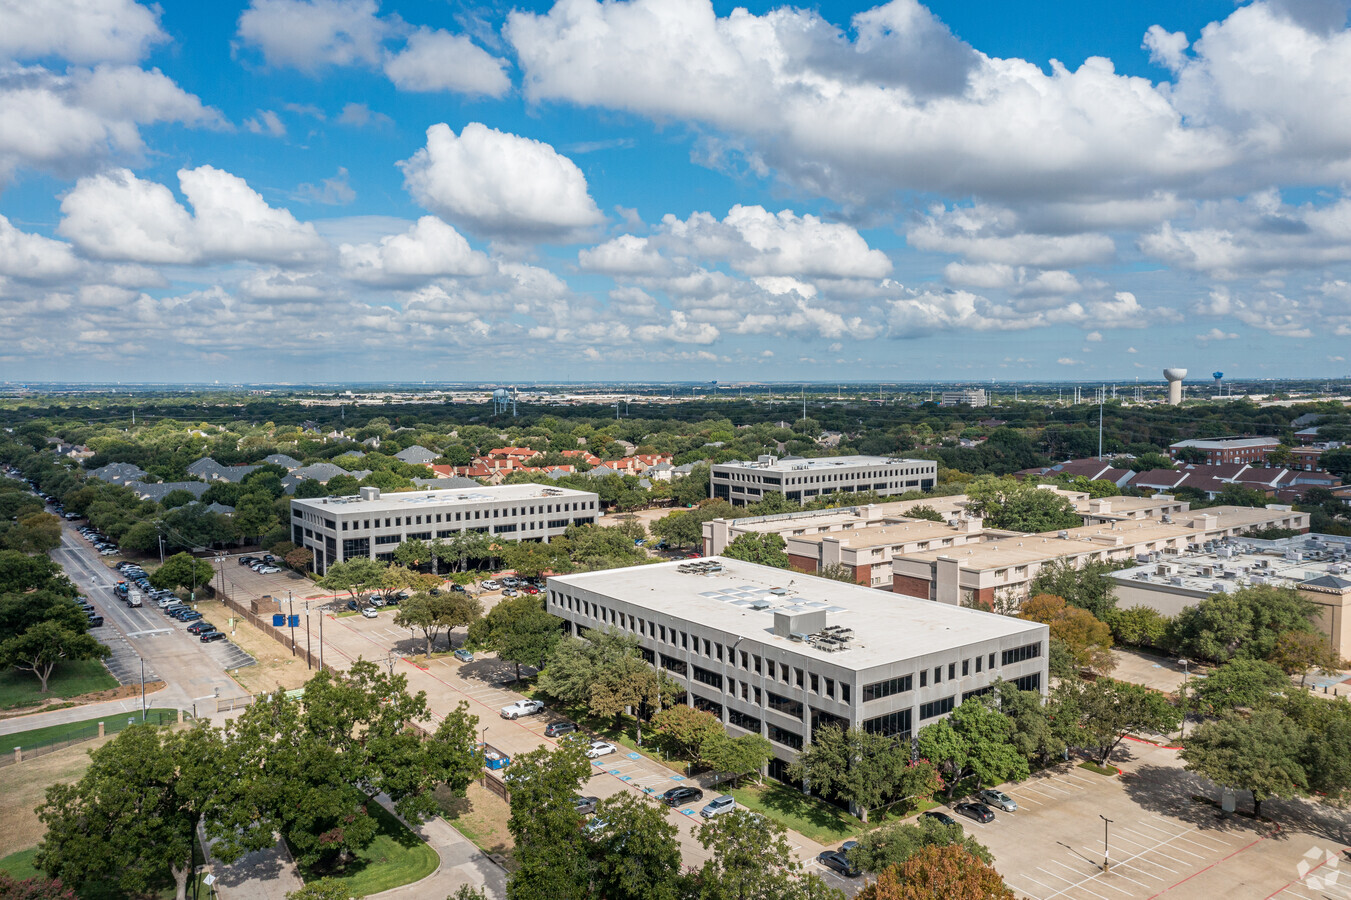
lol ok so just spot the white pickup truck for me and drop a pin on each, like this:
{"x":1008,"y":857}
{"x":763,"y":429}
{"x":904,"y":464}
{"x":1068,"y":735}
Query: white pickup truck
{"x":522,"y":708}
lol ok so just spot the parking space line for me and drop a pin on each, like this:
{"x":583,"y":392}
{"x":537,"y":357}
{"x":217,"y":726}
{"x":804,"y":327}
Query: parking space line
{"x":1134,"y":868}
{"x":1068,"y":881}
{"x":1104,"y":884}
{"x":1032,"y":894}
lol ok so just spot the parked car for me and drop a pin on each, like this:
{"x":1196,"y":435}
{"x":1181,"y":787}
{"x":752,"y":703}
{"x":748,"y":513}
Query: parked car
{"x":724,"y":804}
{"x":490,"y":585}
{"x":522,"y":708}
{"x":457,"y":588}
{"x":209,"y":636}
{"x":377,"y":602}
{"x":510,"y":592}
{"x":834,"y":859}
{"x":96,"y":621}
{"x":679,"y":796}
{"x":463,"y":655}
{"x":369,"y":613}
{"x":201,"y":626}
{"x":352,"y":605}
{"x":529,"y":589}
{"x":941,"y":817}
{"x":558,"y":729}
{"x":268,"y":570}
{"x":991,"y":797}
{"x":585,"y":805}
{"x":978,"y":811}
{"x":247,"y":560}
{"x":191,"y":615}
{"x":510,"y":581}
{"x":599,"y":749}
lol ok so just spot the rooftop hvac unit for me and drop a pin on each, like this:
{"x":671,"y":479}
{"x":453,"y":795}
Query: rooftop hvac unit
{"x":797,"y":636}
{"x":1064,"y":535}
{"x":1176,"y":580}
{"x":1166,"y":519}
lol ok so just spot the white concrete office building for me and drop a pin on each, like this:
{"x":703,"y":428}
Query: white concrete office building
{"x":372,"y":524}
{"x":802,"y":480}
{"x":778,"y":654}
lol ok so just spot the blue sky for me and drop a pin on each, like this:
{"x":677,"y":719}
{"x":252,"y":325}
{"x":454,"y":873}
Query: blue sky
{"x":641,"y":190}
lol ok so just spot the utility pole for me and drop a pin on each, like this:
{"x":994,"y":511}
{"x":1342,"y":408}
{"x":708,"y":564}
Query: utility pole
{"x":142,"y":658}
{"x":291,"y":620}
{"x":1100,"y":399}
{"x":1186,"y":665}
{"x":309,"y":664}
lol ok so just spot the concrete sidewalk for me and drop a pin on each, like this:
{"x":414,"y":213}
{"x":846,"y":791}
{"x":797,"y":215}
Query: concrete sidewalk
{"x":165,"y":698}
{"x":461,"y":863}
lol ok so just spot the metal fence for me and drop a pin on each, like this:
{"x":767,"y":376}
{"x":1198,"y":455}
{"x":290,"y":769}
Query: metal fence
{"x":94,"y":730}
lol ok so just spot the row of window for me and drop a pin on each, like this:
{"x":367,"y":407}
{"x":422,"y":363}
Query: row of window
{"x":705,"y":647}
{"x":512,"y":512}
{"x":1018,"y":654}
{"x":935,"y":708}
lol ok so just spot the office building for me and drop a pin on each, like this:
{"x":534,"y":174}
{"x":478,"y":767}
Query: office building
{"x":802,"y":480}
{"x":781,"y":655}
{"x":1318,"y":566}
{"x":372,"y":524}
{"x":1218,"y":451}
{"x":974,"y":397}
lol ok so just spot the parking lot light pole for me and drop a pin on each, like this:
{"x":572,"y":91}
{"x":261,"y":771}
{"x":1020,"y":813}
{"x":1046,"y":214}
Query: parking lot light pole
{"x":1186,"y":665}
{"x":142,"y":659}
{"x":1105,"y":822}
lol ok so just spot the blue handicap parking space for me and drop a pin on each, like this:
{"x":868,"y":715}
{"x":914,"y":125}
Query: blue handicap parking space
{"x":648,"y":790}
{"x":625,"y":778}
{"x":687,"y":812}
{"x":634,"y":756}
{"x":598,"y":764}
{"x":614,"y":771}
{"x":677,"y":777}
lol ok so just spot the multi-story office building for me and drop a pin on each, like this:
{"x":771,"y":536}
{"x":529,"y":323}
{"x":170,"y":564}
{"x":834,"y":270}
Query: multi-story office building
{"x":781,"y":655}
{"x":802,"y":480}
{"x":1219,"y":451}
{"x":372,"y":524}
{"x":975,"y":397}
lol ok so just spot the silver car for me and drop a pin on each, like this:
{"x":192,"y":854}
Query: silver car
{"x":991,"y":797}
{"x":725,"y":803}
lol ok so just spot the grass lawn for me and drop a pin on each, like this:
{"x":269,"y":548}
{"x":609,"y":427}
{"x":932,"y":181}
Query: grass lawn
{"x":69,"y":679}
{"x":795,"y":810}
{"x":1101,"y":770}
{"x":40,"y":737}
{"x":481,"y":816}
{"x":19,"y":866}
{"x":395,"y":857}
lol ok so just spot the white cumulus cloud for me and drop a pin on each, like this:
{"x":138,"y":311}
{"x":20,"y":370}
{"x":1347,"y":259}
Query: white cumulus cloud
{"x":429,"y":249}
{"x":441,"y":61}
{"x":500,"y":184}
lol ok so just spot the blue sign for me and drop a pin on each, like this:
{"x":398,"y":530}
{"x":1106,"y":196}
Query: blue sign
{"x":293,"y":621}
{"x":278,"y":620}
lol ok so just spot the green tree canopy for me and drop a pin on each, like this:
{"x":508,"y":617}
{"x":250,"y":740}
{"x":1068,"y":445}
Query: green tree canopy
{"x":432,"y":614}
{"x":182,"y":570}
{"x":40,"y":648}
{"x":359,"y":577}
{"x":765,"y":548}
{"x":752,"y":860}
{"x":861,"y":768}
{"x":519,"y":630}
{"x":1247,"y":622}
{"x":1019,"y":506}
{"x":1240,"y":682}
{"x":1261,"y":753}
{"x":892,"y":845}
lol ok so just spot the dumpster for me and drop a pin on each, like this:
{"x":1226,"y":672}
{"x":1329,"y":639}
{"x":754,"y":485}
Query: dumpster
{"x":495,"y":759}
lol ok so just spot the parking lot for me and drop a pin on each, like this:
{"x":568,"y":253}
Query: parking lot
{"x":1159,"y":840}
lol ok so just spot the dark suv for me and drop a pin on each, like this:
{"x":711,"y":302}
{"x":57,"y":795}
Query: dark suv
{"x":678,"y":796}
{"x":558,"y":729}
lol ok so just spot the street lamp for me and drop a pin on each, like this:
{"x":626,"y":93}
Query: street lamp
{"x":1186,"y":665}
{"x":1105,"y":822}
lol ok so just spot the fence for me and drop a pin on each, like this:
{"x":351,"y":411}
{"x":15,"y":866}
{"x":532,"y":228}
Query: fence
{"x":496,"y":785}
{"x":62,"y":738}
{"x":264,"y":624}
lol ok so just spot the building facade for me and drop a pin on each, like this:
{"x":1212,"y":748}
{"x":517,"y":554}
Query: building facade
{"x":1218,"y":451}
{"x":780,"y":656}
{"x":372,"y":524}
{"x":802,"y":480}
{"x":974,"y":397}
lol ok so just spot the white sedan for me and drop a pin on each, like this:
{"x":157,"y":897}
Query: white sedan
{"x":599,"y":749}
{"x":369,"y":613}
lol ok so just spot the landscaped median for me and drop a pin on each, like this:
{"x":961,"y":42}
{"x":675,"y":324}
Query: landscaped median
{"x":85,"y":729}
{"x":73,"y":678}
{"x":808,"y":816}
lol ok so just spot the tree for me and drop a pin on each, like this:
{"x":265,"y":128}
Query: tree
{"x":752,"y":860}
{"x":1297,"y":652}
{"x":299,"y":558}
{"x":1034,"y":734}
{"x":893,"y":845}
{"x":148,"y":788}
{"x":551,"y":850}
{"x":1247,"y":622}
{"x":1019,"y":505}
{"x":1239,"y":683}
{"x":1260,"y":754}
{"x":923,"y":511}
{"x":182,"y":570}
{"x":975,"y":740}
{"x":950,"y":872}
{"x":765,"y":548}
{"x":634,"y":851}
{"x":1105,"y":711}
{"x":531,"y":559}
{"x":37,"y":532}
{"x":737,"y":756}
{"x":316,"y":767}
{"x":682,"y":731}
{"x":856,"y":766}
{"x":1086,"y":587}
{"x":40,"y":648}
{"x":412,"y":553}
{"x":1139,"y":626}
{"x":139,"y":538}
{"x":1087,"y":640}
{"x":255,"y":515}
{"x":836,"y":572}
{"x":686,"y":528}
{"x":358,"y":576}
{"x":432,"y":614}
{"x":1337,"y":462}
{"x":519,"y":630}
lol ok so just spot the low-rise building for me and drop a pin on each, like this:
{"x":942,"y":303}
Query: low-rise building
{"x":802,"y":480}
{"x":999,"y":572}
{"x":373,"y":524}
{"x":973,"y":397}
{"x":1318,"y":566}
{"x":779,"y":656}
{"x":1228,"y":449}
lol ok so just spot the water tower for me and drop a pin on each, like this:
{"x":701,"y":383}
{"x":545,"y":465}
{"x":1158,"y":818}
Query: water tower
{"x":1174,"y":377}
{"x":501,"y":401}
{"x":1218,"y":376}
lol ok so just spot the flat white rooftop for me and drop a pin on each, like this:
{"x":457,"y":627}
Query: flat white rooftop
{"x":502,"y":493}
{"x":887,"y":627}
{"x":820,"y":463}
